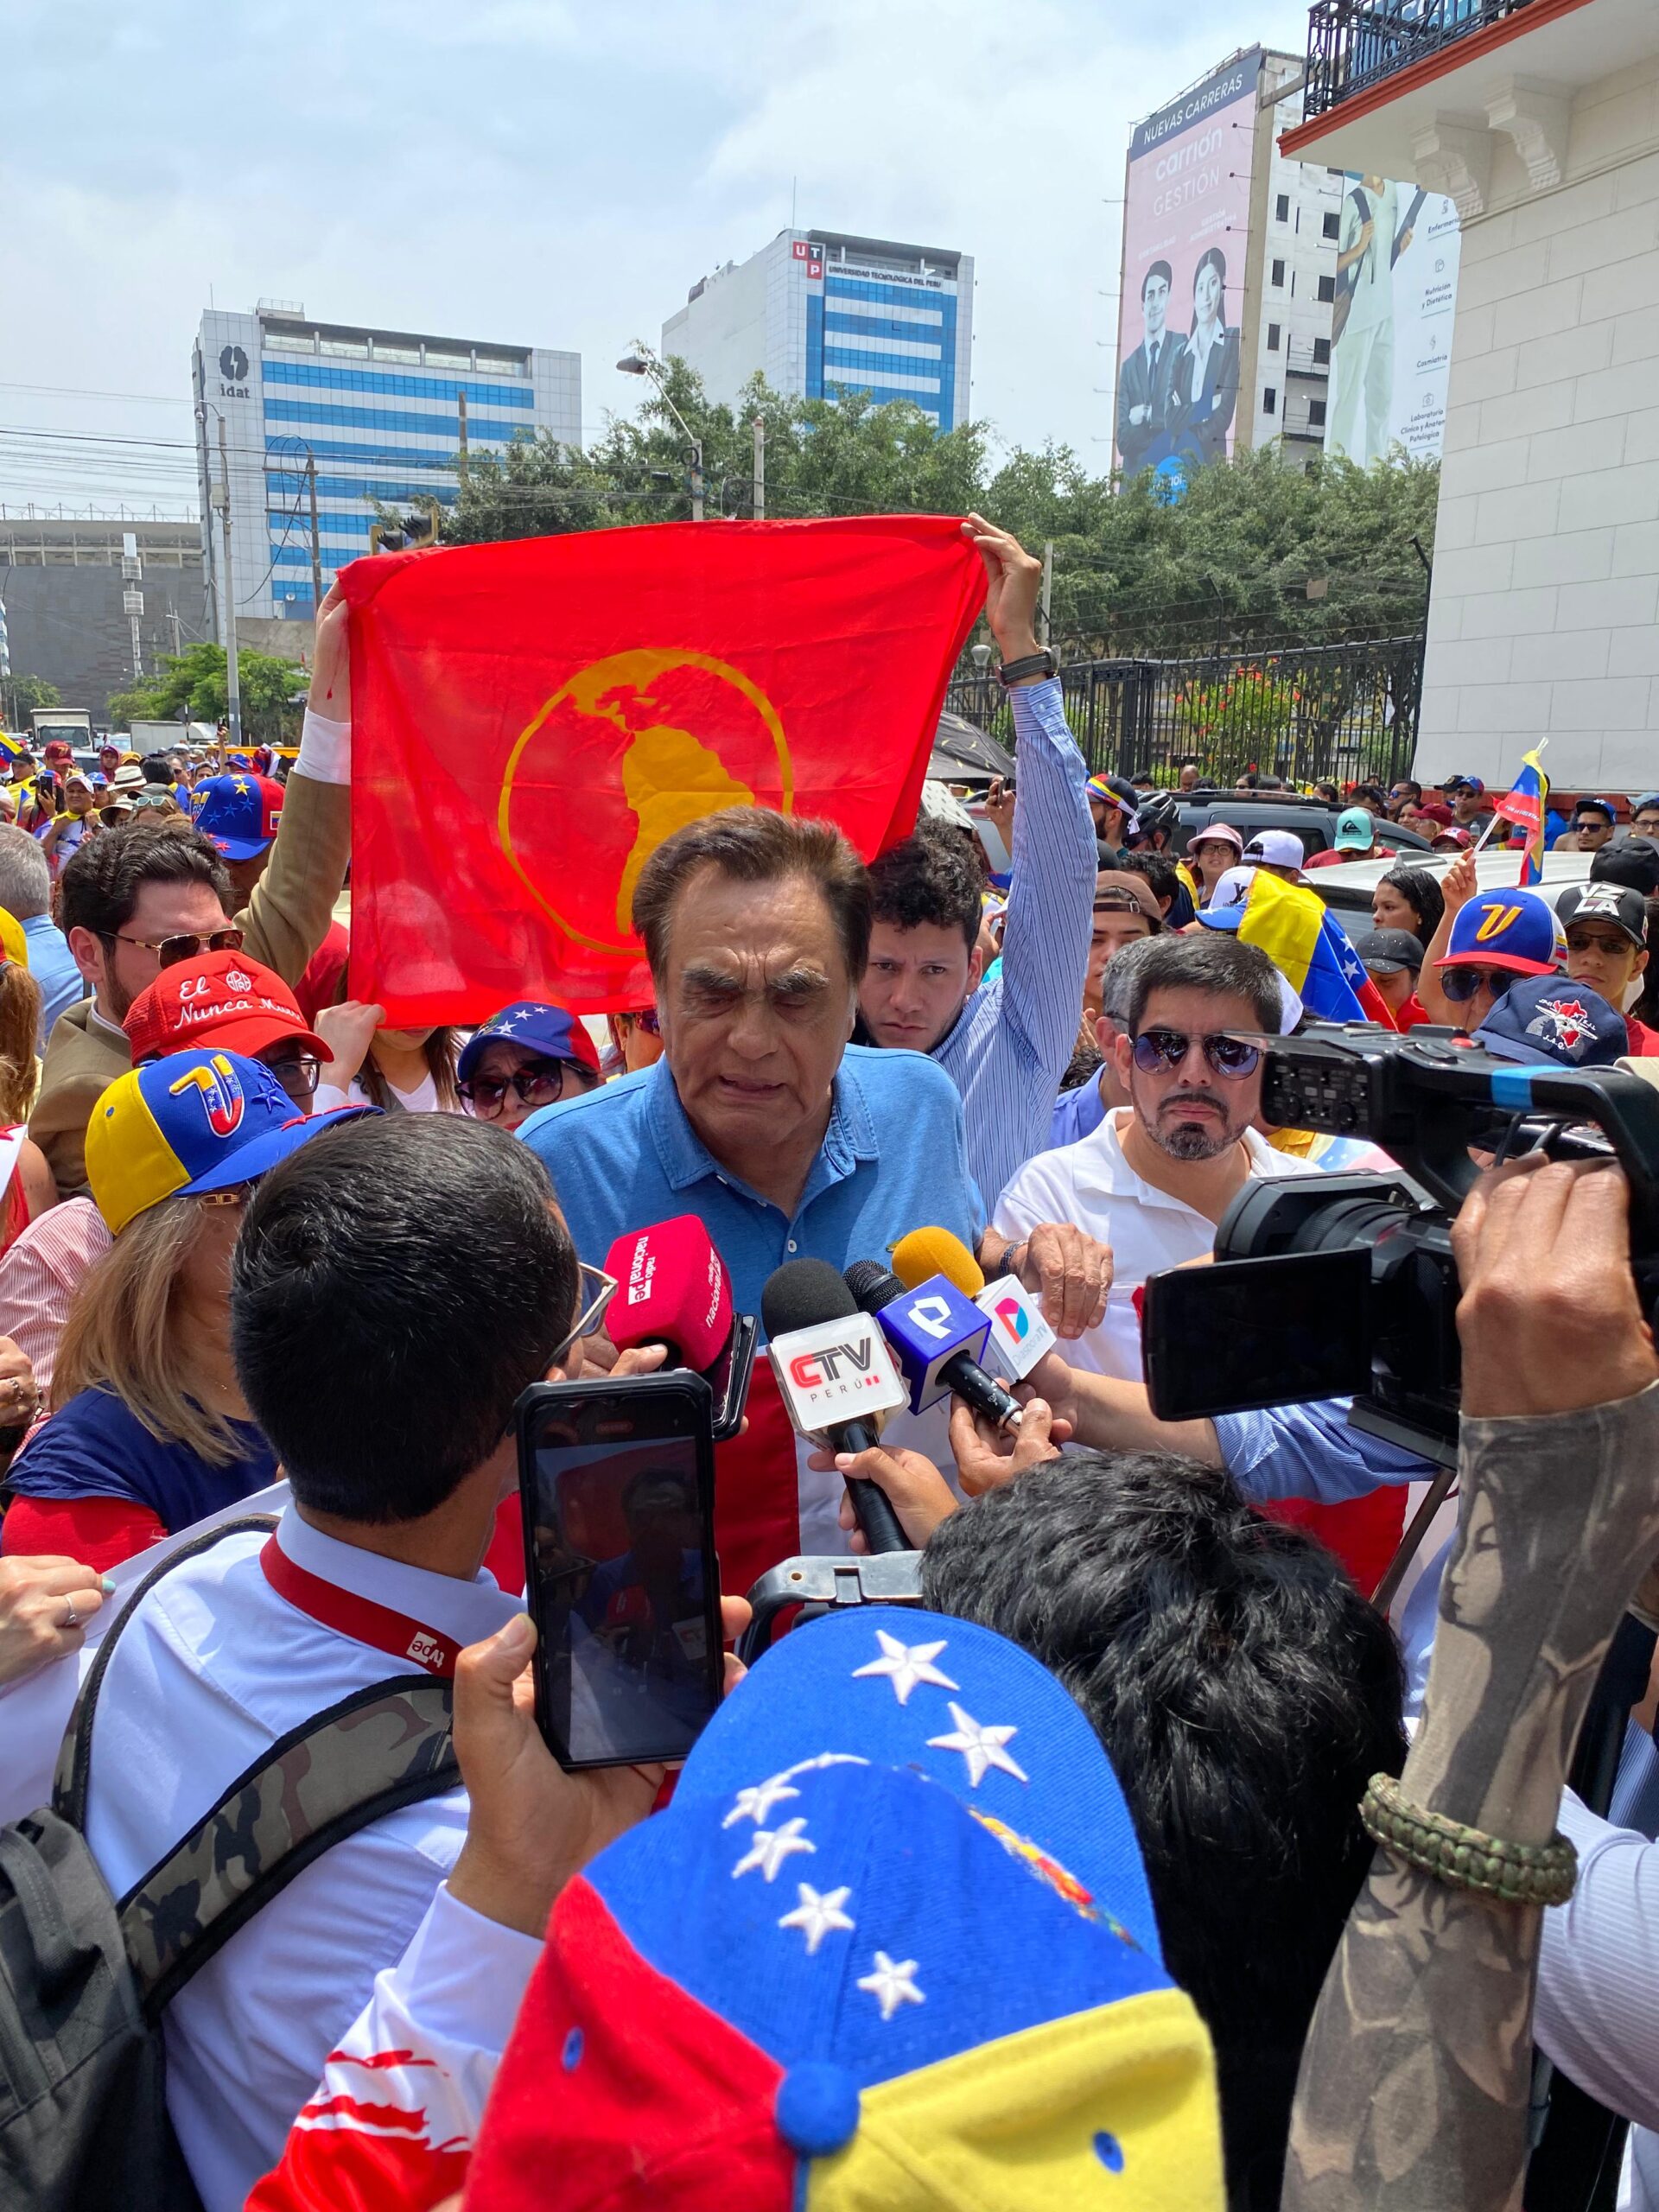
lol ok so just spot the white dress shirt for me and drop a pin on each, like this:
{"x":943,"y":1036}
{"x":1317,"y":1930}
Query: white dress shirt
{"x":209,"y":1672}
{"x":1092,"y":1184}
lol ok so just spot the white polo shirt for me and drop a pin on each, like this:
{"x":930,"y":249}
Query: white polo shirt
{"x":1090,"y":1183}
{"x":211,"y":1671}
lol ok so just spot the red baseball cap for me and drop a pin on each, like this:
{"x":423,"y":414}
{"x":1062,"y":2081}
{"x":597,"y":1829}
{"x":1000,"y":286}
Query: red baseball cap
{"x":223,"y":1000}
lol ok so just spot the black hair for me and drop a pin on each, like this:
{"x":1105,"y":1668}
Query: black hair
{"x":1212,"y":962}
{"x":753,"y":844}
{"x":397,"y":1283}
{"x":158,"y":769}
{"x":1159,"y":869}
{"x":1422,"y":892}
{"x":929,"y":878}
{"x":102,"y":882}
{"x":1105,"y":855}
{"x":1157,"y":269}
{"x":1245,"y":1694}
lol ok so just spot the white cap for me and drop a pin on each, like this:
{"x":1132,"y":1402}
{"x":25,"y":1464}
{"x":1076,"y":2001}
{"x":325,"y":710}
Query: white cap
{"x":1281,"y":847}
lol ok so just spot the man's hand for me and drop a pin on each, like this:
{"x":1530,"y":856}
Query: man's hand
{"x":1460,"y":883}
{"x":37,"y":1596}
{"x":331,"y":663}
{"x":1015,"y":579}
{"x":348,"y":1031}
{"x":1550,"y":1317}
{"x":532,"y":1826}
{"x":1070,"y":1271}
{"x":999,"y":808}
{"x":919,"y":1493}
{"x":988,"y":1457}
{"x":1138,"y":413}
{"x":1367,"y":233}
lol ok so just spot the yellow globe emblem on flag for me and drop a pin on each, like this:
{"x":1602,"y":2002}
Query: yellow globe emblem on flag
{"x":629,"y":750}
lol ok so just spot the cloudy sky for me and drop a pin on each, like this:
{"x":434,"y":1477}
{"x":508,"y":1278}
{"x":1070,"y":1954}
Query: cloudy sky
{"x":539,"y":173}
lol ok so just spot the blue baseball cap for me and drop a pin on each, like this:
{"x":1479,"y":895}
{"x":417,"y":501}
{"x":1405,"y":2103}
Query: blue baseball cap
{"x":239,"y":813}
{"x":1356,"y":831}
{"x":539,"y":1027}
{"x":1549,"y":1018}
{"x":195,"y":1122}
{"x":1515,"y":930}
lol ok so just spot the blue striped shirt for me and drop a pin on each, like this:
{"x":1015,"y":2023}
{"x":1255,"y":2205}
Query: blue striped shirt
{"x":1013,"y":1040}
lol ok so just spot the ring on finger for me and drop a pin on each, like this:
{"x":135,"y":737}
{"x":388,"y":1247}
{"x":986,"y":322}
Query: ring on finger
{"x":71,"y":1617}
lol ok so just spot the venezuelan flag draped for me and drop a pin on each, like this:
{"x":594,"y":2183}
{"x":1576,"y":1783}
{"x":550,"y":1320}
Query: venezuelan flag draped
{"x":530,"y":721}
{"x":1525,"y":806}
{"x":10,"y":747}
{"x":1308,"y":944}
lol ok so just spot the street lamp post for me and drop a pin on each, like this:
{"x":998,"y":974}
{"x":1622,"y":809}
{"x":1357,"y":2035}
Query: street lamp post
{"x":642,"y":362}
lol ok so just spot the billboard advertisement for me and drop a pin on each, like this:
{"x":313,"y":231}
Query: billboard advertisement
{"x":1397,"y":250}
{"x":1186,"y":200}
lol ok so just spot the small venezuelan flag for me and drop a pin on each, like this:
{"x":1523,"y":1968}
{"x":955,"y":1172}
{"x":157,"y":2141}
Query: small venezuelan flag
{"x":1525,"y":806}
{"x":10,"y":747}
{"x":1308,"y":944}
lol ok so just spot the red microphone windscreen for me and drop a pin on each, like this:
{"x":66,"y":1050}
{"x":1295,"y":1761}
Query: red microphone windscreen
{"x":672,"y":1288}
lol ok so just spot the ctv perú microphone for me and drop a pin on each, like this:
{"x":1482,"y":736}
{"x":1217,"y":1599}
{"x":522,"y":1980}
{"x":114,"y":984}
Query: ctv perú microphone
{"x":672,"y":1289}
{"x":836,"y":1376}
{"x":1019,"y":1336}
{"x":937,"y":1336}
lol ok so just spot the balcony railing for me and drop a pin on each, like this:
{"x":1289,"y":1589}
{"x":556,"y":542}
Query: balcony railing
{"x":1354,"y":44}
{"x":1302,"y":359}
{"x":1302,"y":426}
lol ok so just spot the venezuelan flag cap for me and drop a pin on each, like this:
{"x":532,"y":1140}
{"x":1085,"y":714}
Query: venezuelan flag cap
{"x":192,"y":1122}
{"x":890,"y":1946}
{"x":1511,"y":929}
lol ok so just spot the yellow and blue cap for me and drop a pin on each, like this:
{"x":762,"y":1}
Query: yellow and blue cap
{"x":890,"y":1945}
{"x":194,"y":1122}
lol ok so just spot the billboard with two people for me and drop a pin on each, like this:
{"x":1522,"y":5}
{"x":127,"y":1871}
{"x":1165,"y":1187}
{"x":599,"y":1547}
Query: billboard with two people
{"x":1185,"y":220}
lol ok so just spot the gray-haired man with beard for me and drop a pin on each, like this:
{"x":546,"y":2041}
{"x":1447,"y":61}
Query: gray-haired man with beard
{"x":1156,"y":1176}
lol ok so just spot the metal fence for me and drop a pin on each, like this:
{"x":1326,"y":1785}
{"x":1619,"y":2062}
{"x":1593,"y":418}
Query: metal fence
{"x":1353,"y":44}
{"x":1348,"y":712}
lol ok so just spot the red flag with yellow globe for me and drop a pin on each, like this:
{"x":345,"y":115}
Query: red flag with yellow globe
{"x":531,"y":719}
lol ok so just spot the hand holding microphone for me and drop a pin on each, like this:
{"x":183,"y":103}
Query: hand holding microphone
{"x":836,"y":1377}
{"x":1019,"y":1335}
{"x":673,"y":1292}
{"x":937,"y":1335}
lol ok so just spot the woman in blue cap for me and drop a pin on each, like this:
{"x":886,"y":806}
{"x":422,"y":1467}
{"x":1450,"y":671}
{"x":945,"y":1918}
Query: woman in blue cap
{"x":528,"y":1056}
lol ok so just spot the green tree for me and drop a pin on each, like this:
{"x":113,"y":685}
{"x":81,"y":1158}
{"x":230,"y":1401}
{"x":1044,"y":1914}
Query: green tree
{"x":24,"y":693}
{"x":197,"y":679}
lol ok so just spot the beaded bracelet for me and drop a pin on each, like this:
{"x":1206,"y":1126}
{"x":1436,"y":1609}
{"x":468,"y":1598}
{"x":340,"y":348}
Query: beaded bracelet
{"x":1465,"y":1858}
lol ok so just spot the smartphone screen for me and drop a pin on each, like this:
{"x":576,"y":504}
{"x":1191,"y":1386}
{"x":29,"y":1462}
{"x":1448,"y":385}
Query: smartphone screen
{"x":618,"y":1490}
{"x":1274,"y":1331}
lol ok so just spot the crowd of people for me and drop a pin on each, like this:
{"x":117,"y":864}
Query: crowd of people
{"x":1147,"y":1849}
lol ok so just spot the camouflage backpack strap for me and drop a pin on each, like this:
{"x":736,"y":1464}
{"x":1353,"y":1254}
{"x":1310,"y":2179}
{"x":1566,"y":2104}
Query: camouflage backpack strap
{"x":75,"y":1752}
{"x":382,"y":1747}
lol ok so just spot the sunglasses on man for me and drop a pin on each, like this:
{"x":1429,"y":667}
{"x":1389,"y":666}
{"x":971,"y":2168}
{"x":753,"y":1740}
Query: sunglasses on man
{"x":1156,"y":1050}
{"x":169,"y":950}
{"x":1461,"y":984}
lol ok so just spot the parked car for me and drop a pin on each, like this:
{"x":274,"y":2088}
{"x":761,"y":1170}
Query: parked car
{"x":1347,"y":888}
{"x":1314,"y":820}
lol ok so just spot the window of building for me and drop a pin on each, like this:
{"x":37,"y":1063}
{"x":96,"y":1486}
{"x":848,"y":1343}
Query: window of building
{"x":409,"y":354}
{"x":501,"y":365}
{"x":1278,"y":272}
{"x":1333,"y":224}
{"x":1282,"y":207}
{"x":1273,"y":338}
{"x":349,"y":349}
{"x":439,"y":357}
{"x":1316,"y":414}
{"x":1322,"y":351}
{"x":1327,"y":287}
{"x":1269,"y":399}
{"x":291,"y":341}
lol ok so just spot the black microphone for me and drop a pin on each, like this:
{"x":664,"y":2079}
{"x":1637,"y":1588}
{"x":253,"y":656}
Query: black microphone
{"x":920,"y":1326}
{"x":803,"y":1295}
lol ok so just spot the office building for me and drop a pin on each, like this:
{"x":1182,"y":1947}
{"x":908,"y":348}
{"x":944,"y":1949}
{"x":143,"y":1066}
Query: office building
{"x":1237,"y":240}
{"x":379,"y":412}
{"x":818,"y":312}
{"x":1542,"y":121}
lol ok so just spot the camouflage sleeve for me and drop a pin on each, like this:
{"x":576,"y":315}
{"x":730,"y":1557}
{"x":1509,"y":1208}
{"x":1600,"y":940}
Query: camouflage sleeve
{"x":393,"y":2121}
{"x":1413,"y":2085}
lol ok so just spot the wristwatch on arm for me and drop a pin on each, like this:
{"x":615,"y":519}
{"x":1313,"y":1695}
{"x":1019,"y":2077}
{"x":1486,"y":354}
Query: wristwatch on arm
{"x":1030,"y":667}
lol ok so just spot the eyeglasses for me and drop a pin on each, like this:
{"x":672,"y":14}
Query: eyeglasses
{"x":171,"y":949}
{"x":487,"y":1094}
{"x":239,"y":1197}
{"x":1157,"y":1049}
{"x":645,"y":1017}
{"x":1461,"y":984}
{"x":298,"y":1075}
{"x":597,"y":1289}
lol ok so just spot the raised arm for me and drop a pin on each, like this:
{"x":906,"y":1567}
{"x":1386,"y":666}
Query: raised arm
{"x":1413,"y":2085}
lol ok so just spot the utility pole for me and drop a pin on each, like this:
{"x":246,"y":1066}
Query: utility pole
{"x":696,"y":480}
{"x":1048,"y":592}
{"x":232,"y":681}
{"x":316,"y":546}
{"x":759,"y":502}
{"x":461,"y":457}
